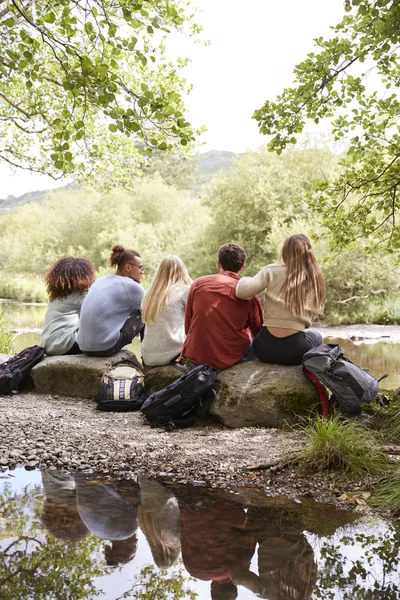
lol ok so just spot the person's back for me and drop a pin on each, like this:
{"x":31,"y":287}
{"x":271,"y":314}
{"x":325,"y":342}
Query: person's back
{"x":67,"y":283}
{"x":107,"y":306}
{"x":110,"y":314}
{"x":219,"y":326}
{"x":163,"y":313}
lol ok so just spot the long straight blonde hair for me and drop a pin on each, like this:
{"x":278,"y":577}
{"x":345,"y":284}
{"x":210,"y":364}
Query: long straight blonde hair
{"x":304,"y":288}
{"x":170,"y":274}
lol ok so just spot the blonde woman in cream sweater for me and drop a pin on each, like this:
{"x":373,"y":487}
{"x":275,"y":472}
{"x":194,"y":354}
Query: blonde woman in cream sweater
{"x":294,"y":294}
{"x":163,"y":313}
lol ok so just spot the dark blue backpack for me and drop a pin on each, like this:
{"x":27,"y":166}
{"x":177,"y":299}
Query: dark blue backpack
{"x":178,"y":404}
{"x":14,"y":372}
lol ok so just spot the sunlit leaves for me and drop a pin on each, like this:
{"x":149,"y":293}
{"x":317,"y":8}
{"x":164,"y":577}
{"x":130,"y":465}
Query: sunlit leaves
{"x":333,"y":83}
{"x":72,"y":71}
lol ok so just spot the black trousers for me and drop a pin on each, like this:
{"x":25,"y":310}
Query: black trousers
{"x":287,"y":350}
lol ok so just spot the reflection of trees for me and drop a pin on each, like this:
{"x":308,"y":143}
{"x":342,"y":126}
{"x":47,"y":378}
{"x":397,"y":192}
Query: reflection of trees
{"x":373,"y":576}
{"x":37,"y":566}
{"x":151,"y":584}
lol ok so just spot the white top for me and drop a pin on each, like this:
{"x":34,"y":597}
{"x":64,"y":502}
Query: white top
{"x":61,"y":323}
{"x":163,"y":340}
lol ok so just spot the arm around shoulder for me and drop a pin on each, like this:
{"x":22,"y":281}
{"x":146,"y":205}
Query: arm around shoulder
{"x":248,"y":287}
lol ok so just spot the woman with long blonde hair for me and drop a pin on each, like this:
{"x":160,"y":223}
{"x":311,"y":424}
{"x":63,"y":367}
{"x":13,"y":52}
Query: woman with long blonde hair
{"x":163,"y":312}
{"x":294,"y":294}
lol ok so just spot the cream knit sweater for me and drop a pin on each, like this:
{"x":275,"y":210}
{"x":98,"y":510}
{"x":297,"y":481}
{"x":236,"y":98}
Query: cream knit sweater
{"x":163,"y":340}
{"x":270,"y":279}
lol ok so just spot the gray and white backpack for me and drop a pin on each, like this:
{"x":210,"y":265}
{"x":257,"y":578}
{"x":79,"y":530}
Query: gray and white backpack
{"x":351,"y":386}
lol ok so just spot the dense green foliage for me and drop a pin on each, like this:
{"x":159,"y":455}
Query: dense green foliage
{"x":257,"y":203}
{"x":154,"y":218}
{"x":86,"y":85}
{"x":333,"y":83}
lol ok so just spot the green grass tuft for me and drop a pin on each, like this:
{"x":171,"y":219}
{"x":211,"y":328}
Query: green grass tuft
{"x":387,"y":494}
{"x":390,"y":427}
{"x":342,"y":445}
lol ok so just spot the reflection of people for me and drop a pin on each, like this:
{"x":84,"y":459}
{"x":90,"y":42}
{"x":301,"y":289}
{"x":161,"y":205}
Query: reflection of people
{"x":109,"y":510}
{"x":215,"y":541}
{"x":159,"y":520}
{"x":294,"y":292}
{"x":219,"y":327}
{"x":60,"y":514}
{"x":286,"y":565}
{"x":110,"y":315}
{"x":163,"y":312}
{"x":67,"y":283}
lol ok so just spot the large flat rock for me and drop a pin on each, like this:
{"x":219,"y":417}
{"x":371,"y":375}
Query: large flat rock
{"x":252,"y":393}
{"x":77,"y":376}
{"x":255,"y":393}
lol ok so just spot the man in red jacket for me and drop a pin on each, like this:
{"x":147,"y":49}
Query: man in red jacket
{"x":219,"y":326}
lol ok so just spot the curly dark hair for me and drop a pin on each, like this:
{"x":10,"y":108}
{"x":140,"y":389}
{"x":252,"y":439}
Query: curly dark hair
{"x":120,"y":255}
{"x":69,"y":275}
{"x":232,"y":257}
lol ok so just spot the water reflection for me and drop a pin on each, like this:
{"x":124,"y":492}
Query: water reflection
{"x":77,"y":536}
{"x":379,"y":358}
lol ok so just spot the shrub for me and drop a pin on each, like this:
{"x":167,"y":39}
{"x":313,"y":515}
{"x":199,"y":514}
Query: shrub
{"x":6,"y":336}
{"x":339,"y":444}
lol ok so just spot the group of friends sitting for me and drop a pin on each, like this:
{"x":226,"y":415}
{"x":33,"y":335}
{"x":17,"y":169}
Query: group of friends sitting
{"x":216,"y":320}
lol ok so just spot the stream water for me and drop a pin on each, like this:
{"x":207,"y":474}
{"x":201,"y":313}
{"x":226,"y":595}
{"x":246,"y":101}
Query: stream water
{"x":78,"y":536}
{"x":374,"y":347}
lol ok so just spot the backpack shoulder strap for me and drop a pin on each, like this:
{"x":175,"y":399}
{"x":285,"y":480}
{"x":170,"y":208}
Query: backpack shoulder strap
{"x":321,"y":391}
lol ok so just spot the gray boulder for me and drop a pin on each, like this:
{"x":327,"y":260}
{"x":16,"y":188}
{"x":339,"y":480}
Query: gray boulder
{"x":255,"y":393}
{"x":157,"y":378}
{"x":77,"y":376}
{"x":252,"y":393}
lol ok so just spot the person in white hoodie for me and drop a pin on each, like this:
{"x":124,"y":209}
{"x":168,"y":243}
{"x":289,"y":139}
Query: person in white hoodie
{"x":163,"y":313}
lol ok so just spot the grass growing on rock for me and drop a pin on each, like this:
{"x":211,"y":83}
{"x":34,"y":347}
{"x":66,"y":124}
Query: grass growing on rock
{"x":341,"y":445}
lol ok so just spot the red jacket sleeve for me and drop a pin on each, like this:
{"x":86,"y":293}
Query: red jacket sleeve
{"x":189,"y":310}
{"x":256,"y":317}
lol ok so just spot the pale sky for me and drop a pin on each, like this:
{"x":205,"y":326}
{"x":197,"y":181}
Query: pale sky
{"x":253,"y":48}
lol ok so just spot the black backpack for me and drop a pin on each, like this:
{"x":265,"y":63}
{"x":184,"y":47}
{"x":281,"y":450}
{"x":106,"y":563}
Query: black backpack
{"x":179,"y":404}
{"x":351,"y":386}
{"x":121,"y":388}
{"x":14,"y":372}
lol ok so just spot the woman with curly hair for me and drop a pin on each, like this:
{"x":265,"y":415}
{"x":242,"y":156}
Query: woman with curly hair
{"x":163,"y":312}
{"x":111,"y":316}
{"x":67,"y":283}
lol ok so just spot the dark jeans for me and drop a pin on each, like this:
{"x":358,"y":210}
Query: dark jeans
{"x":74,"y":350}
{"x":282,"y":351}
{"x":130,"y":329}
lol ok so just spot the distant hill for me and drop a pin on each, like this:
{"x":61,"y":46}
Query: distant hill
{"x":206,"y":165}
{"x":209,"y":163}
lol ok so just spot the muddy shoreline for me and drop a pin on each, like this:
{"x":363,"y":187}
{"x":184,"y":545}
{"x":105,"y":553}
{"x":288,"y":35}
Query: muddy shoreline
{"x":65,"y":433}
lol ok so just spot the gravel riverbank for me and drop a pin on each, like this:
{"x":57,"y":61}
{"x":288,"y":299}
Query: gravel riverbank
{"x":66,"y":433}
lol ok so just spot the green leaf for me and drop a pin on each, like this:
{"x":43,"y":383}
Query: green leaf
{"x":49,"y":18}
{"x":112,"y":127}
